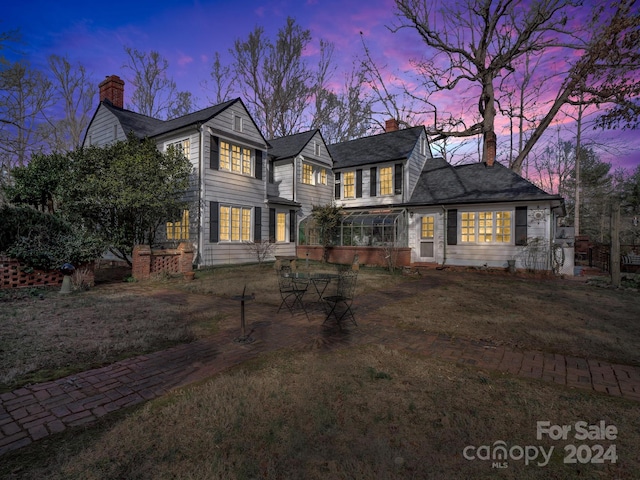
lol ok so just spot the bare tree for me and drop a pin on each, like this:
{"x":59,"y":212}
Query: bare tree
{"x":75,"y":92}
{"x":223,"y":80}
{"x":472,"y":43}
{"x":156,"y":94}
{"x":25,"y":94}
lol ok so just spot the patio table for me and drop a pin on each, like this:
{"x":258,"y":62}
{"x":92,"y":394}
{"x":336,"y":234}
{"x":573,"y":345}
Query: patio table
{"x":319,"y":280}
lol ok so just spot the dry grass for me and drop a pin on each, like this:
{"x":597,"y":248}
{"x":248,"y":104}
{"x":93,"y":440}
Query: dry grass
{"x":358,"y":413}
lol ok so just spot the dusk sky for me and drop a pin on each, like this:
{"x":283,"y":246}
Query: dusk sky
{"x":188,"y":34}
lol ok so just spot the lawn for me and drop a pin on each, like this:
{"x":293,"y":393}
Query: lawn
{"x":363,"y":411}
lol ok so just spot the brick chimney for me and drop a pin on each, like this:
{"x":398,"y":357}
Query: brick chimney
{"x":112,"y":89}
{"x":391,"y":125}
{"x":490,"y":150}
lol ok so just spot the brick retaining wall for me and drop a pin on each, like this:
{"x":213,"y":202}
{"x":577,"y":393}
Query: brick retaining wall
{"x":14,"y":274}
{"x":147,"y":262}
{"x":344,"y":255}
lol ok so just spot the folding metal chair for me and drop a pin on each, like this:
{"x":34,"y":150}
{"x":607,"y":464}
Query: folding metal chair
{"x":339,"y":305}
{"x":291,"y":291}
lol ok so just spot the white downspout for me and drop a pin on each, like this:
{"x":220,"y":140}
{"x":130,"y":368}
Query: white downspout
{"x":201,"y":202}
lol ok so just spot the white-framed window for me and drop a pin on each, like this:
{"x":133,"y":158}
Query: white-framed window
{"x":316,"y":148}
{"x":235,"y":158}
{"x":281,"y":227}
{"x":349,"y":185}
{"x":322,"y":176}
{"x":179,"y":230}
{"x":234,"y":223}
{"x":423,"y":146}
{"x":183,"y":146}
{"x":490,"y":226}
{"x":307,"y":174}
{"x":386,"y":180}
{"x":427,"y":227}
{"x":237,"y":123}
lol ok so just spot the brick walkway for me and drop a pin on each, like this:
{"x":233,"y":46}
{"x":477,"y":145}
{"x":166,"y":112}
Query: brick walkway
{"x":36,"y":411}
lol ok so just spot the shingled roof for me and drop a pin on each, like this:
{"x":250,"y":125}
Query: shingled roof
{"x":291,"y":145}
{"x":384,"y":147}
{"x":442,"y":183}
{"x":144,"y":126}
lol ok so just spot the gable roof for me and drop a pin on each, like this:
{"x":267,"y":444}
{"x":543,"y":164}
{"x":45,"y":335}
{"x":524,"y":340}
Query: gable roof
{"x":291,"y":145}
{"x":141,"y":125}
{"x":144,"y":126}
{"x":442,"y":183}
{"x":384,"y":147}
{"x":201,"y":116}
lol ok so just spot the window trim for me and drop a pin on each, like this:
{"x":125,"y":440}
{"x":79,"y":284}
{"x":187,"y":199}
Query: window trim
{"x":232,"y":222}
{"x":476,"y":228}
{"x":232,"y":158}
{"x":351,"y":185}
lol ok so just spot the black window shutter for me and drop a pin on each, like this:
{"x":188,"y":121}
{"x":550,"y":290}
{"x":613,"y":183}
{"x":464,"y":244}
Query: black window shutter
{"x":213,"y":212}
{"x":272,"y":225}
{"x":257,"y":224}
{"x":270,"y":167}
{"x":452,"y":227}
{"x":337,"y":189}
{"x":373,"y":182}
{"x":397,"y":180}
{"x":293,"y":225}
{"x":359,"y":183}
{"x":521,"y":226}
{"x":214,"y":160}
{"x":258,"y":156}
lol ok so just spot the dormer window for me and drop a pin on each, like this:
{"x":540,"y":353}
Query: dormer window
{"x":316,"y":148}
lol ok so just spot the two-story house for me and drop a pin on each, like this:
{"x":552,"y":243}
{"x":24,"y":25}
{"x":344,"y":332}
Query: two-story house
{"x":394,"y":193}
{"x":227,"y":198}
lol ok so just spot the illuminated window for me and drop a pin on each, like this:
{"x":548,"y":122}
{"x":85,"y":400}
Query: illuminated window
{"x":307,"y":173}
{"x":281,"y":227}
{"x":182,"y":146}
{"x":235,"y":158}
{"x":225,"y":156}
{"x":349,"y":183}
{"x":427,"y":227}
{"x":179,"y":230}
{"x":246,"y":224}
{"x":468,"y":227}
{"x":486,"y":227}
{"x":235,"y":224}
{"x":225,"y":223}
{"x":503,"y":227}
{"x":386,"y":181}
{"x":323,"y":176}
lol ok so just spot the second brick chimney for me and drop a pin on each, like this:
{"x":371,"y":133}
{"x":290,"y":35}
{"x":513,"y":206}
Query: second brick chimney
{"x":490,"y":152}
{"x":112,"y":89}
{"x":391,"y":125}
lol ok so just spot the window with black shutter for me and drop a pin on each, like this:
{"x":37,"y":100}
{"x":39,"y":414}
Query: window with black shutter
{"x":257,"y":224}
{"x":292,"y":226}
{"x":337,"y":188}
{"x":397,"y":179}
{"x":521,"y":226}
{"x":213,"y":153}
{"x":213,"y":224}
{"x":272,"y":225}
{"x":452,"y":227}
{"x":373,"y":182}
{"x":359,"y":183}
{"x":258,"y":172}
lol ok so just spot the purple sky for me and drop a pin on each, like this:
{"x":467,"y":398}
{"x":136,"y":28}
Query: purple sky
{"x":188,"y":34}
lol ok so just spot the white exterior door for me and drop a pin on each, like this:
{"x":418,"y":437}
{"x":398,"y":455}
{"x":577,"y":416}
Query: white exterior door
{"x":426,"y":238}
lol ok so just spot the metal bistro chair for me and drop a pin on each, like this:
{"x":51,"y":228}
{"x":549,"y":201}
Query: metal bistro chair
{"x":291,"y":291}
{"x":339,"y":305}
